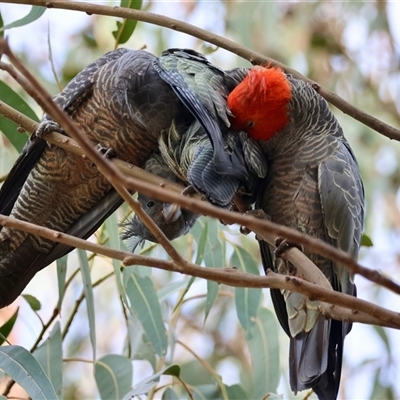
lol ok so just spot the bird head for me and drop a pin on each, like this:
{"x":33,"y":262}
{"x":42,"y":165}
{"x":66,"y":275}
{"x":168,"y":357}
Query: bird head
{"x":260,"y":102}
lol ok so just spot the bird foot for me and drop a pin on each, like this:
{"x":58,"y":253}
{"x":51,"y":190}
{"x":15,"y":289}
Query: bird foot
{"x":106,"y":151}
{"x":282,"y":245}
{"x":47,"y":126}
{"x":257,"y":213}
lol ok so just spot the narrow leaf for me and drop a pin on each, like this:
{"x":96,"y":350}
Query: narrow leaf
{"x":146,"y":384}
{"x":115,"y":243}
{"x":21,"y":366}
{"x":61,"y":276}
{"x":88,"y":290}
{"x":49,"y":356}
{"x":264,"y":350}
{"x":35,"y":13}
{"x":144,"y":302}
{"x":366,"y":241}
{"x":237,"y":392}
{"x":33,"y":302}
{"x":125,"y":28}
{"x":8,"y":127}
{"x":170,"y":394}
{"x":247,"y":300}
{"x":7,"y":326}
{"x":213,"y":257}
{"x":1,"y":35}
{"x":113,"y":374}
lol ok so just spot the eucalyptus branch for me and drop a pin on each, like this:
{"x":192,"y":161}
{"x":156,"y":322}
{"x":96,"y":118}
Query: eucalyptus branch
{"x":348,"y":308}
{"x":263,"y":228}
{"x":112,"y":174}
{"x":252,"y":56}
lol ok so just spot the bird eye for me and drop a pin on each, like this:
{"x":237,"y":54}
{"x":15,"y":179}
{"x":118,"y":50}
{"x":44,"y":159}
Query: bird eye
{"x":150,"y":204}
{"x":249,"y":124}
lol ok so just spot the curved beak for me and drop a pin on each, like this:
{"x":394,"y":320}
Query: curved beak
{"x":171,"y":212}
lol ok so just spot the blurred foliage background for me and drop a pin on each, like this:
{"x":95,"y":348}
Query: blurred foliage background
{"x":352,"y":48}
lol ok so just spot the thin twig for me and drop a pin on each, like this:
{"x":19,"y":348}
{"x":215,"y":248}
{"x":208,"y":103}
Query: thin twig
{"x":265,"y":229}
{"x":227,"y":44}
{"x":351,"y":308}
{"x":113,"y":175}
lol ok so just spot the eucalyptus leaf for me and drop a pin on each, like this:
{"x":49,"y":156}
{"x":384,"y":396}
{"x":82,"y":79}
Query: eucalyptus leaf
{"x":49,"y":356}
{"x":35,"y":13}
{"x":22,"y":366}
{"x":6,"y":328}
{"x":33,"y":302}
{"x":113,"y":374}
{"x":264,"y":351}
{"x":61,"y":277}
{"x":247,"y":300}
{"x":144,"y":302}
{"x":8,"y":127}
{"x":146,"y":384}
{"x":214,"y":256}
{"x":88,"y":291}
{"x":125,"y":28}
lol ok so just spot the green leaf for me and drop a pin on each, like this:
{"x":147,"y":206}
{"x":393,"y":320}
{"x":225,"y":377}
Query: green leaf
{"x":200,"y":232}
{"x":214,"y":256}
{"x":170,"y":394}
{"x":49,"y":356}
{"x":247,"y":300}
{"x":1,"y":35}
{"x":9,"y":128}
{"x":144,"y":302}
{"x":382,"y":334}
{"x":21,"y":366}
{"x":170,"y":288}
{"x":35,"y":13}
{"x":146,"y":384}
{"x":113,"y":374}
{"x":88,"y":290}
{"x":264,"y":351}
{"x":237,"y":392}
{"x":127,"y":26}
{"x":366,"y":241}
{"x":33,"y":302}
{"x":115,"y":243}
{"x":61,"y":276}
{"x":7,"y":326}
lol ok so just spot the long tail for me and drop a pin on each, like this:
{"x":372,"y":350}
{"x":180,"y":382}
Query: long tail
{"x":19,"y":267}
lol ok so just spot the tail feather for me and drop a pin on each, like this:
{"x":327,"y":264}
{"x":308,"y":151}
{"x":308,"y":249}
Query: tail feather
{"x":18,"y":268}
{"x":316,"y":359}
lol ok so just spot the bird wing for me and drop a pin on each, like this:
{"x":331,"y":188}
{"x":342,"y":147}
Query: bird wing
{"x":342,"y":200}
{"x":74,"y":94}
{"x":201,"y":87}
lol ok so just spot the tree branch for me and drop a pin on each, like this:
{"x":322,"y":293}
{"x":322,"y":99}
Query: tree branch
{"x":114,"y":176}
{"x":263,"y":228}
{"x":347,"y":308}
{"x":252,"y":56}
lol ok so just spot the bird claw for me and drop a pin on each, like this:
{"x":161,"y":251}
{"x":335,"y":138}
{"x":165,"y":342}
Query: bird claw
{"x":47,"y":126}
{"x":106,"y":151}
{"x":282,"y":245}
{"x":257,"y":213}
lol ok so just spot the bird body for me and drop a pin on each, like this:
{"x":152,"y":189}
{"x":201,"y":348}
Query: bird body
{"x":313,"y":185}
{"x":122,"y":101}
{"x":173,"y":220}
{"x":189,"y":153}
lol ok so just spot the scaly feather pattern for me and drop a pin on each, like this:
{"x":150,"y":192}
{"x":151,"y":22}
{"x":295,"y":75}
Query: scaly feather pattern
{"x":173,"y":220}
{"x":313,"y":185}
{"x":123,"y":102}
